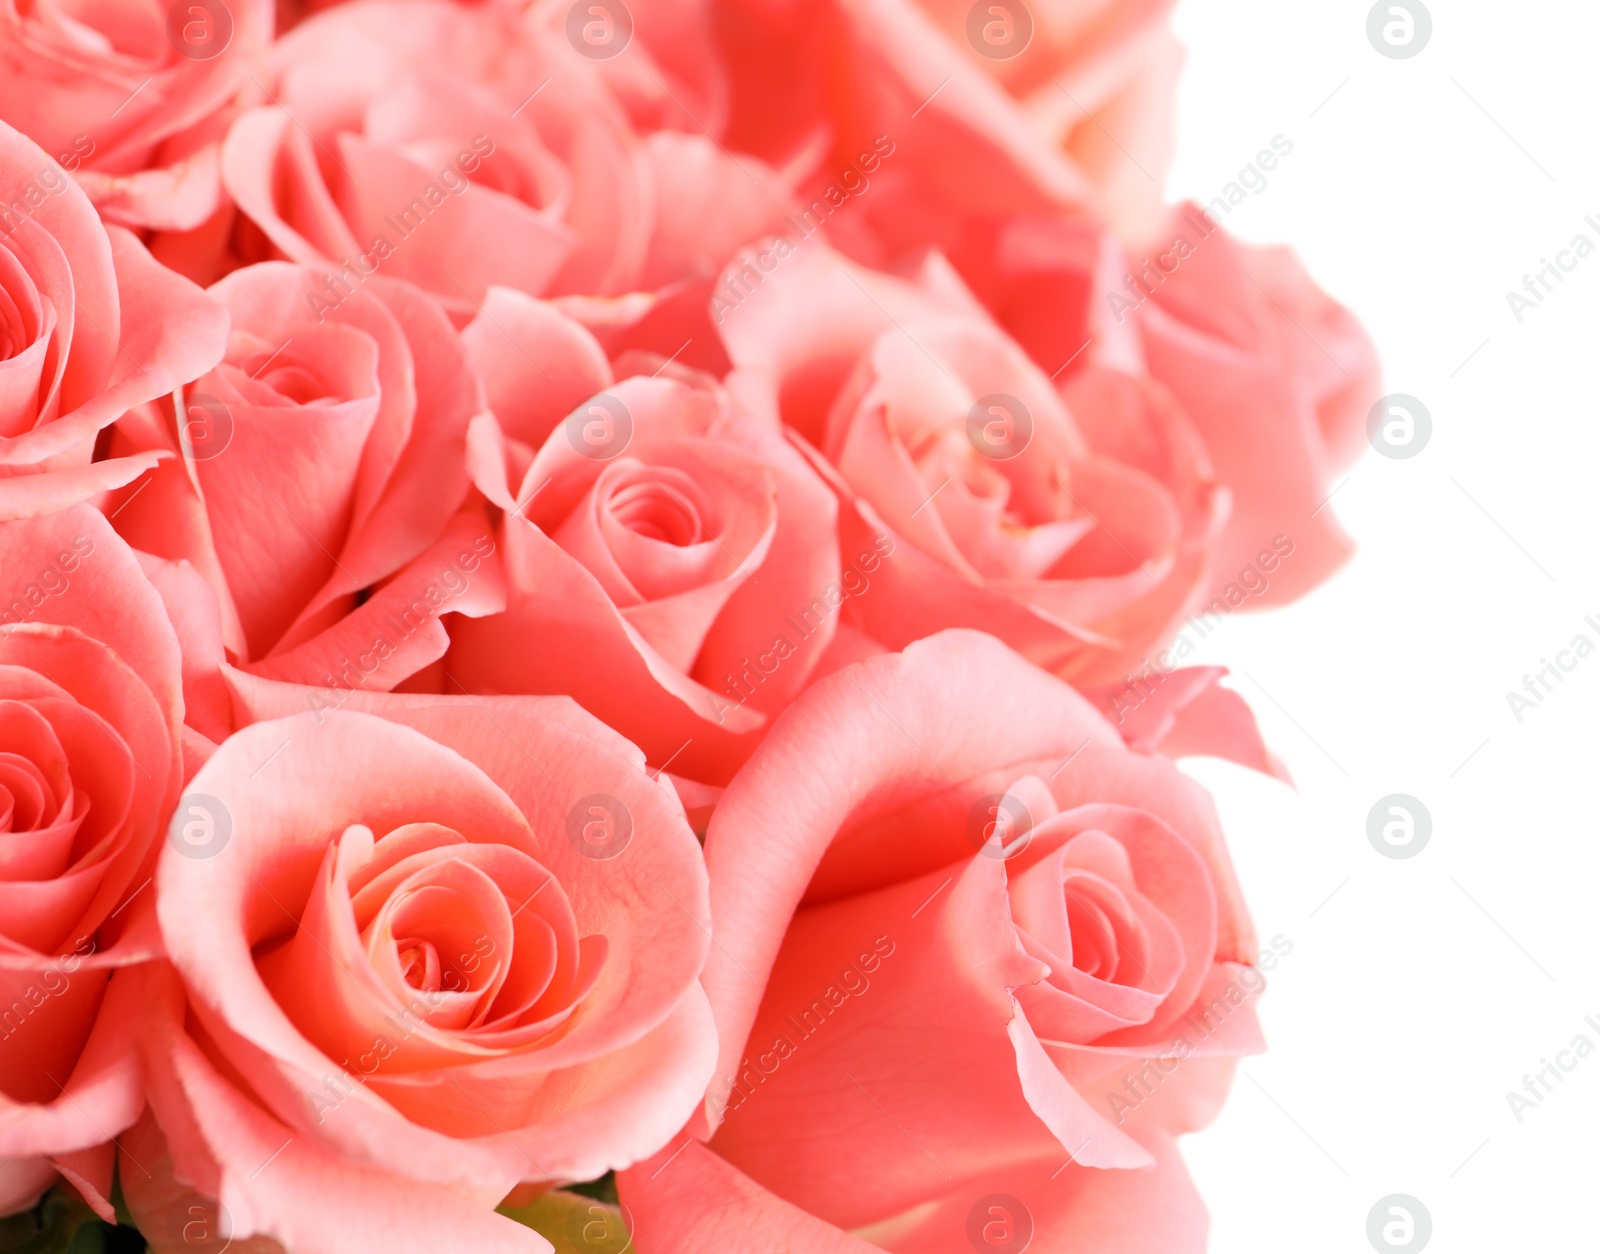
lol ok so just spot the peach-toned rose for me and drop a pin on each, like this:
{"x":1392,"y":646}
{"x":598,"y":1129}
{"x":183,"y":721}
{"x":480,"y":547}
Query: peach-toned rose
{"x":968,"y":944}
{"x":90,"y":325}
{"x":1075,"y":525}
{"x":316,"y":481}
{"x":1275,"y":376}
{"x":1096,"y":78}
{"x":128,"y":97}
{"x":1031,"y":173}
{"x":1278,"y":378}
{"x":90,"y":765}
{"x":430,"y":946}
{"x":822,"y":87}
{"x":462,"y":147}
{"x":671,"y":560}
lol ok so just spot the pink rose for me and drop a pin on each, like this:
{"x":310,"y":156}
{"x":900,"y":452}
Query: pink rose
{"x":90,"y":712}
{"x":671,"y":560}
{"x":1096,"y":79}
{"x":1025,"y":171}
{"x":1278,"y":378}
{"x":968,"y":945}
{"x":901,"y":133}
{"x":430,"y":947}
{"x":315,"y":481}
{"x":1075,"y":525}
{"x":126,"y":97}
{"x":1275,"y":376}
{"x":90,"y":325}
{"x":418,"y":138}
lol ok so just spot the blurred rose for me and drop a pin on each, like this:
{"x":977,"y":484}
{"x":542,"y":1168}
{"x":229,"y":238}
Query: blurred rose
{"x":129,"y":97}
{"x":968,"y":944}
{"x":431,"y":946}
{"x":314,"y":482}
{"x":1074,"y":525}
{"x":90,"y":711}
{"x":1096,"y":78}
{"x":671,"y":561}
{"x":418,"y":137}
{"x":825,"y":88}
{"x":89,"y":326}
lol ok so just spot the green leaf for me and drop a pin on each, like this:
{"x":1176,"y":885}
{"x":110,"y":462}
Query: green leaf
{"x":60,"y":1224}
{"x":604,"y":1189}
{"x":576,"y":1224}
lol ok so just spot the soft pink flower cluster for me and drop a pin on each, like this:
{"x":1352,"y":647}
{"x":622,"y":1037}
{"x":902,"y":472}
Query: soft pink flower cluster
{"x":601,"y":588}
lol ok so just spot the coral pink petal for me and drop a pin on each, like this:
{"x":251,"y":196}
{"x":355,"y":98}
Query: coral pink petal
{"x":879,"y":733}
{"x":687,"y":1200}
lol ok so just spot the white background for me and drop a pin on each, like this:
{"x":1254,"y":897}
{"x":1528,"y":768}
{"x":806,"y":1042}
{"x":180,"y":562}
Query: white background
{"x":1420,"y":991}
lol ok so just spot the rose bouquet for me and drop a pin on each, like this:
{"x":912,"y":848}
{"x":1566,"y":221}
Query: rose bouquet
{"x":594,"y":609}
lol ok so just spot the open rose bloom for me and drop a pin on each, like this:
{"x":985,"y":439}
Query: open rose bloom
{"x":131,"y":98}
{"x":91,"y":709}
{"x":961,"y":958}
{"x":324,"y":456}
{"x":429,"y":948}
{"x":403,"y":136}
{"x":90,"y":326}
{"x":595,"y":604}
{"x":657,"y":534}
